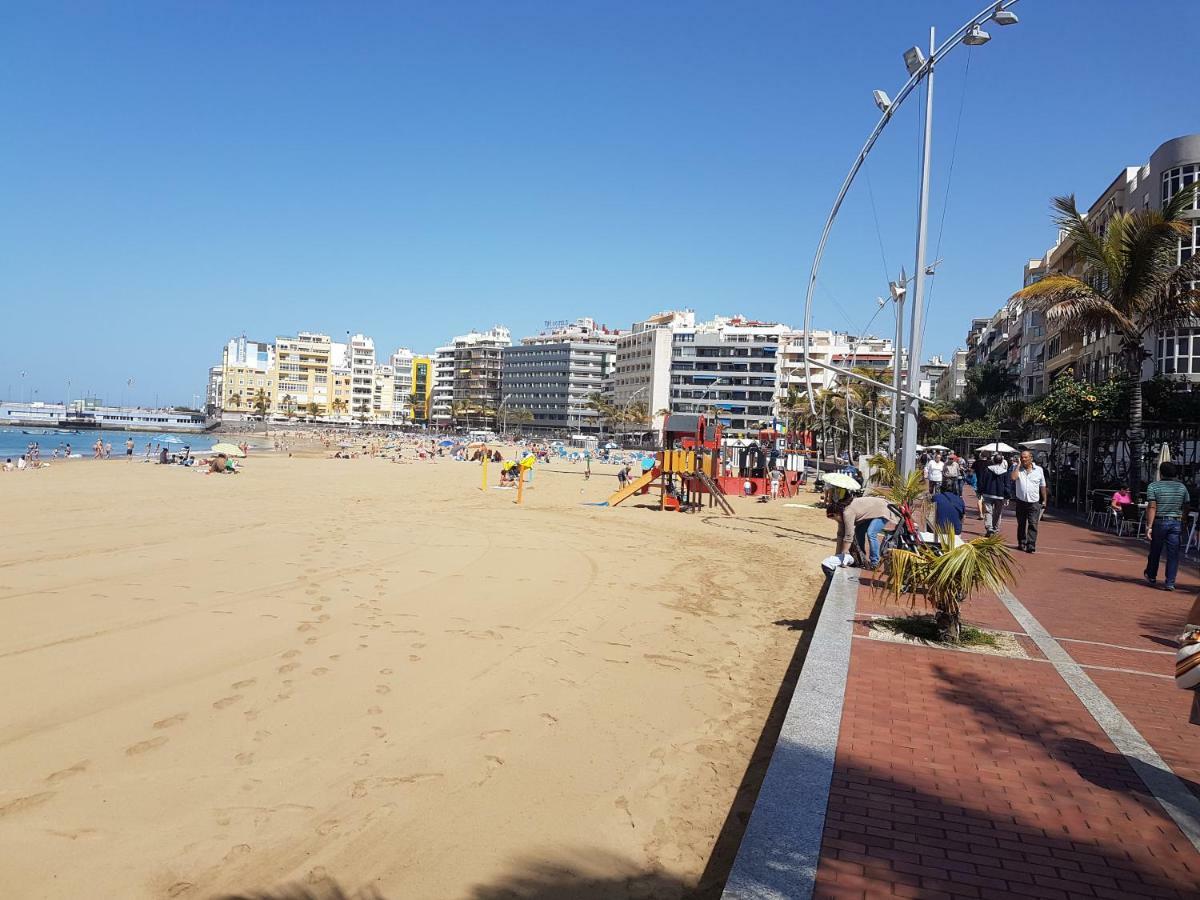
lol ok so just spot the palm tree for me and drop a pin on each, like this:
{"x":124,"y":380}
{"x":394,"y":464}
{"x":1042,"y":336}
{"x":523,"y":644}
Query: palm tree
{"x":314,"y":410}
{"x":945,"y":579}
{"x":1131,"y":284}
{"x":364,"y":410}
{"x":262,"y":403}
{"x":936,"y":416}
{"x":289,"y":406}
{"x":235,"y":399}
{"x":338,"y":405}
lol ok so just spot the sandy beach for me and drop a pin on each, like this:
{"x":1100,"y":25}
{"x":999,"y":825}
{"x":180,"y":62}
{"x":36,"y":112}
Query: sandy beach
{"x":378,"y":673}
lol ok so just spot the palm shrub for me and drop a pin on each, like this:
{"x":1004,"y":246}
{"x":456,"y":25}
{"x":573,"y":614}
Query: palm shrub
{"x":883,"y":469}
{"x":944,"y":579}
{"x":1131,"y":284}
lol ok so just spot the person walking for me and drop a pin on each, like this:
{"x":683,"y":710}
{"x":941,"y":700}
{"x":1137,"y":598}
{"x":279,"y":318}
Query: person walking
{"x":1029,"y":489}
{"x":1166,"y":506}
{"x":952,"y":475}
{"x":128,"y":449}
{"x":995,"y":487}
{"x":934,"y":472}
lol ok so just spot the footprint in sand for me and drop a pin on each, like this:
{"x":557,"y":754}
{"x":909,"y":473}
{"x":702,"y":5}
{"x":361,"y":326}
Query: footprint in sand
{"x":179,"y":888}
{"x":385,"y":671}
{"x":244,"y":683}
{"x":320,"y":670}
{"x":290,"y":653}
{"x":288,"y":667}
{"x":382,"y":689}
{"x":235,"y":851}
{"x":412,"y":657}
{"x":226,"y":701}
{"x":244,"y":759}
{"x":170,"y":721}
{"x":375,"y":711}
{"x":146,"y":746}
{"x":378,"y":731}
{"x":495,"y":732}
{"x":316,"y":608}
{"x":250,"y":715}
{"x":336,"y":656}
{"x":78,"y":769}
{"x":23,"y":803}
{"x":311,"y":640}
{"x":306,"y":626}
{"x":261,"y":736}
{"x":364,"y":759}
{"x":328,"y":826}
{"x":550,"y":720}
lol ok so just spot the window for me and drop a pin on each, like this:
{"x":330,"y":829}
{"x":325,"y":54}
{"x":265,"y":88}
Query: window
{"x":1178,"y":352}
{"x":1175,"y":180}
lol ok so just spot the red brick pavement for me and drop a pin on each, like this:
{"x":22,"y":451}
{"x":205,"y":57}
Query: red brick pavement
{"x":966,"y":775}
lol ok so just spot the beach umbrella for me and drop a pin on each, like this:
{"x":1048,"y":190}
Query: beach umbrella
{"x":839,"y":480}
{"x":1044,"y":444}
{"x":937,"y":447}
{"x":996,"y":447}
{"x":446,"y":443}
{"x":228,"y":450}
{"x":1164,"y":455}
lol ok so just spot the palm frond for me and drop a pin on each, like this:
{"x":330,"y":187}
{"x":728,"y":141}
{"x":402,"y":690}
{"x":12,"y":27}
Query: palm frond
{"x":1089,"y":246}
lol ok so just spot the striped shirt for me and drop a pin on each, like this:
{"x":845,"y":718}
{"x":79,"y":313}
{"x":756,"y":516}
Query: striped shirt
{"x":1168,"y":497}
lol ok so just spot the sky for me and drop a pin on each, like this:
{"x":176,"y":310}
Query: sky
{"x":173,"y":174}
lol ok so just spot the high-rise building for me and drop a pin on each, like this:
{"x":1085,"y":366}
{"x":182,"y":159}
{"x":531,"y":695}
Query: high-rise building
{"x":383,"y":398}
{"x":836,"y":348}
{"x":953,"y":382}
{"x":931,"y":373}
{"x":727,"y":364}
{"x":554,"y":374}
{"x":642,"y":366}
{"x":247,"y":367}
{"x":213,"y":394}
{"x":466,"y":386}
{"x":362,"y":376}
{"x":421,"y":394}
{"x":303,"y":382}
{"x":402,"y":379}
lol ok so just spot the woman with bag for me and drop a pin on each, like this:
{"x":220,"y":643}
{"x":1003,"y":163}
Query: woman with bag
{"x":1187,"y":660}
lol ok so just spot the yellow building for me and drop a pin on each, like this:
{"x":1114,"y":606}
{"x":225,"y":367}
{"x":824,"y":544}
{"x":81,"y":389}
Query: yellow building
{"x":247,"y":367}
{"x":422,"y":389}
{"x":305,"y":381}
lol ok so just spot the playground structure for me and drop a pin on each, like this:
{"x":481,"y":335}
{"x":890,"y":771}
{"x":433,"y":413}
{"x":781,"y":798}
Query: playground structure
{"x":697,"y":464}
{"x":685,"y":470}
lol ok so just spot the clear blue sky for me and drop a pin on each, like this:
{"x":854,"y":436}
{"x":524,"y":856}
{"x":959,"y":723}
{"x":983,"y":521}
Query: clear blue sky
{"x":175,"y":173}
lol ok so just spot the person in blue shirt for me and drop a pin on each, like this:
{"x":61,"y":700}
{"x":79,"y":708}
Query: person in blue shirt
{"x":948,"y":509}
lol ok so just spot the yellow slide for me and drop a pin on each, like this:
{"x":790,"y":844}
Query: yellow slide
{"x":633,"y":487}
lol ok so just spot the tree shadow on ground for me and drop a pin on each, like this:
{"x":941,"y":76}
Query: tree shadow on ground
{"x":591,"y":875}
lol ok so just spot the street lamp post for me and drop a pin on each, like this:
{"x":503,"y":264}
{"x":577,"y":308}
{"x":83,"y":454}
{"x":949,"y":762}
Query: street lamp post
{"x":625,"y":410}
{"x":919,"y":67}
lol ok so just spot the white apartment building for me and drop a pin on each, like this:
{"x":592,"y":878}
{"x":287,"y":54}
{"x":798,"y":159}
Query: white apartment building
{"x":402,"y":386}
{"x":362,"y":375}
{"x":952,"y":384}
{"x":247,"y":367}
{"x":467,"y":377}
{"x":728,"y":364}
{"x":383,"y":398}
{"x":642,"y":365}
{"x":837,"y":348}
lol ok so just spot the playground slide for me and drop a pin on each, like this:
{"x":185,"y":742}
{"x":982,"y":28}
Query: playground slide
{"x":633,"y":487}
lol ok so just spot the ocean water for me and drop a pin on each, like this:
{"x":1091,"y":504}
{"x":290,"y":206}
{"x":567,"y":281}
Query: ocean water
{"x":14,"y":441}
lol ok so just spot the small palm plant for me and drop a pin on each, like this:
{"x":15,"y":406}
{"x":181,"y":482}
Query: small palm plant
{"x":883,"y":469}
{"x":945,"y":578}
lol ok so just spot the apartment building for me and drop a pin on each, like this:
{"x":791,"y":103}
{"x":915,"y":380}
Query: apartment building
{"x":836,"y":348}
{"x":728,"y":364}
{"x":952,"y":384}
{"x":466,"y":386}
{"x":421,"y":390}
{"x":642,"y":364}
{"x":402,"y":380}
{"x":554,"y":373}
{"x":362,"y":376}
{"x":383,"y":395}
{"x":247,"y":367}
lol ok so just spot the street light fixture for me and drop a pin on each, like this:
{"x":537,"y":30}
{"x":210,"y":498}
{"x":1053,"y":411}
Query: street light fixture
{"x":1005,"y":17}
{"x":883,"y":101}
{"x":976,"y":37}
{"x":914,"y":60}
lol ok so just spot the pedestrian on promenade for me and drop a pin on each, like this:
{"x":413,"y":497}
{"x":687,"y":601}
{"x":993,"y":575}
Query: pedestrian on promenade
{"x":935,"y":470}
{"x":995,"y":488}
{"x":949,"y":509}
{"x":1166,"y":506}
{"x":952,"y":475}
{"x":978,"y":467}
{"x":1029,"y":488}
{"x":1194,"y":626}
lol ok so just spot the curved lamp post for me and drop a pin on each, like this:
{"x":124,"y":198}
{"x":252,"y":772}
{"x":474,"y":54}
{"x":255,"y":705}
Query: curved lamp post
{"x":919,"y":66}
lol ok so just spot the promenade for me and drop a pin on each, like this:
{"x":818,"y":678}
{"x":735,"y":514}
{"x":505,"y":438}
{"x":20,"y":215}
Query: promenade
{"x":962,"y":774}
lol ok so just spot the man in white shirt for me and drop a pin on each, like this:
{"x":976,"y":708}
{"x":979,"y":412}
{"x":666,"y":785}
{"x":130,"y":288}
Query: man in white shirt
{"x":934,"y":470}
{"x":1029,"y":490}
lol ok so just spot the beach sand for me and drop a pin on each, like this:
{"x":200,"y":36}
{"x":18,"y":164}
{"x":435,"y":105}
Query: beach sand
{"x":378,"y":673}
